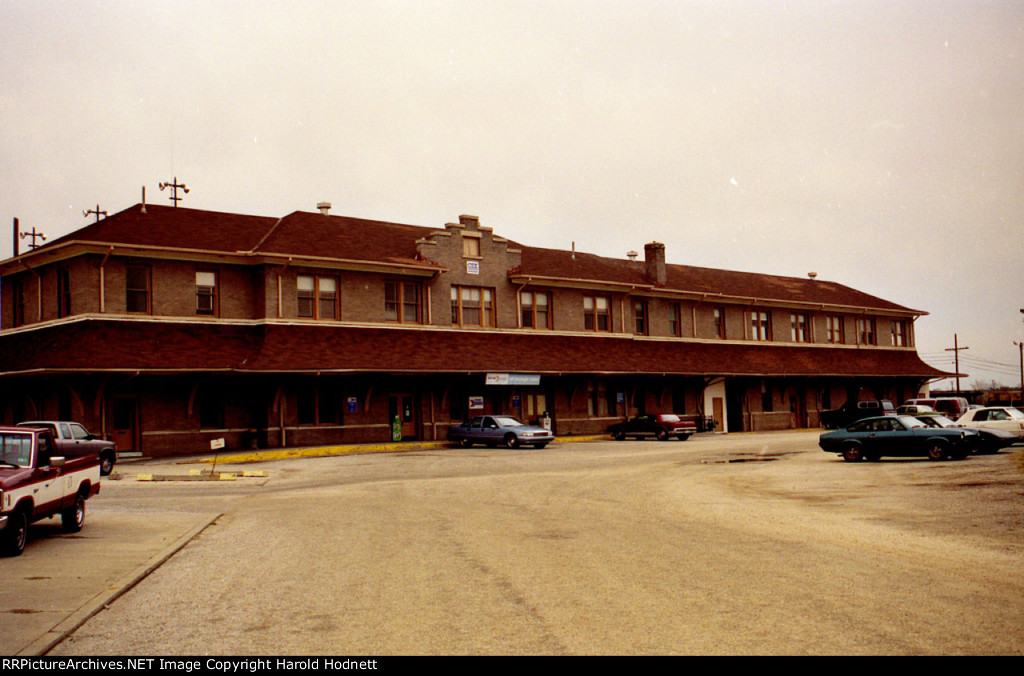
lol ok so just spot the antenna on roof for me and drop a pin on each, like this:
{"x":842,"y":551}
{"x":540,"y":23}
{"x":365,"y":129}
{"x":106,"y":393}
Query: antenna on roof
{"x":175,"y":186}
{"x":33,"y":235}
{"x":143,"y":199}
{"x":95,"y":211}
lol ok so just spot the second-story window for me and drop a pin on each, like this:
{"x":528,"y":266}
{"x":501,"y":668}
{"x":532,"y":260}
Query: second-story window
{"x":535,"y":309}
{"x":317,"y":297}
{"x":597,"y":313}
{"x":866,"y":332}
{"x":760,"y":325}
{"x":63,"y":292}
{"x":472,"y":306}
{"x":719,"y":318}
{"x":899,"y":333}
{"x":206,"y":293}
{"x":402,"y":302}
{"x":834,"y":330}
{"x":470,"y":247}
{"x":640,"y":318}
{"x":19,"y":303}
{"x":137,"y":288}
{"x":675,"y":320}
{"x":799,"y":332}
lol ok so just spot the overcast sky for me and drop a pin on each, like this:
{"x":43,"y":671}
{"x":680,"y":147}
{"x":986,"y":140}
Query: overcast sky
{"x":879,"y":144}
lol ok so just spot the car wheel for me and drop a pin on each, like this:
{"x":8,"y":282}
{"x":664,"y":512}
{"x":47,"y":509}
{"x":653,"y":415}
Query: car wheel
{"x":937,"y":451}
{"x":511,"y":441}
{"x":661,"y":435}
{"x":682,"y":437}
{"x":853,"y":453}
{"x":16,"y":534}
{"x":465,"y":443}
{"x":619,"y":436}
{"x":106,"y":465}
{"x":958,"y":455}
{"x":73,"y":518}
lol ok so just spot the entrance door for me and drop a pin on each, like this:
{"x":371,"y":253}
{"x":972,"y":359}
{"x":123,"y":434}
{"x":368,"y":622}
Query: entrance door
{"x":126,"y":423}
{"x":718,"y":413}
{"x":403,"y":407}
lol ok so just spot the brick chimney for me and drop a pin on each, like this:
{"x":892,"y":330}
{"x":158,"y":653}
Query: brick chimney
{"x":654,"y":260}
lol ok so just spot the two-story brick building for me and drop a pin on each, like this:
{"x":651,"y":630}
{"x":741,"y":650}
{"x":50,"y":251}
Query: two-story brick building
{"x":164,"y":328}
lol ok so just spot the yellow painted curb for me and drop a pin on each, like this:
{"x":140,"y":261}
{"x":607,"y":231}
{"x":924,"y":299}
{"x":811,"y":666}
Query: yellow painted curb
{"x":323,"y":451}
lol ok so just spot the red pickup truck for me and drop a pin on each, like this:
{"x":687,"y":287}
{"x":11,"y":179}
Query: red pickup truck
{"x":37,"y":484}
{"x":73,"y":440}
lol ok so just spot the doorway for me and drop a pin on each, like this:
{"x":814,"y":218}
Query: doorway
{"x":402,"y":417}
{"x":126,"y":423}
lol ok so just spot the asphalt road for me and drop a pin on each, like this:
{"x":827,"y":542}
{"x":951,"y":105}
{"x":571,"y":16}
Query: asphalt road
{"x":727,"y":544}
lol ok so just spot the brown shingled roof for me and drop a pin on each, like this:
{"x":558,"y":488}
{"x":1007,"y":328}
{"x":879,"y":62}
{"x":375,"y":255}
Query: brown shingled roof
{"x":320,"y":236}
{"x":162,"y":346}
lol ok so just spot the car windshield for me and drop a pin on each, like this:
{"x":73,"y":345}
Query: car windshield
{"x":936,"y":421}
{"x":910,"y":423}
{"x":16,"y":450}
{"x":670,"y":417}
{"x":1014,"y":413}
{"x":505,"y":421}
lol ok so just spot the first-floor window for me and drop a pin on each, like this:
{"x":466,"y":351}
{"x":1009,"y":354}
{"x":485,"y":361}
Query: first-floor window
{"x":206,"y":293}
{"x":317,"y":406}
{"x":472,"y":306}
{"x":402,"y":302}
{"x":597,"y":313}
{"x":535,"y":309}
{"x":211,"y":408}
{"x":760,"y":325}
{"x":601,"y":399}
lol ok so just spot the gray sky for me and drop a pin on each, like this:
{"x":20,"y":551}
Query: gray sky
{"x":878,"y":143}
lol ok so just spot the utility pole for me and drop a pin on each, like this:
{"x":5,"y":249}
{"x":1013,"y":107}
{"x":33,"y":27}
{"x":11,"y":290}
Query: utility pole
{"x":175,"y":186}
{"x":1020,"y":346}
{"x":956,"y":353}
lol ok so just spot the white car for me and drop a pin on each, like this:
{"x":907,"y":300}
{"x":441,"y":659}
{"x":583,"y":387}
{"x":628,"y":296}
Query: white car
{"x":1003,"y":418}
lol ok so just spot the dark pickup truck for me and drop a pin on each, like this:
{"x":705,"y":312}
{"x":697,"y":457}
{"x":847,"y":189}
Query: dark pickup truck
{"x":852,"y":411}
{"x":36,"y":483}
{"x":74,"y":440}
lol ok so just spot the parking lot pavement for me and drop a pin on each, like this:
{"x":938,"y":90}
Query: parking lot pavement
{"x":62,"y":580}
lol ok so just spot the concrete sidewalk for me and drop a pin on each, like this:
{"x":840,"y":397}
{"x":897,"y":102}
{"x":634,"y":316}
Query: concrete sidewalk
{"x":64,"y":579}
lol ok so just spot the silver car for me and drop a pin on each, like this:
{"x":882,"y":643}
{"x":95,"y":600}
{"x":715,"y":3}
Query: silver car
{"x":491,"y":430}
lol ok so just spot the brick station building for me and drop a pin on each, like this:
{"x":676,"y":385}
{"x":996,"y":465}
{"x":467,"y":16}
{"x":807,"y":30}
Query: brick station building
{"x":165,"y":328}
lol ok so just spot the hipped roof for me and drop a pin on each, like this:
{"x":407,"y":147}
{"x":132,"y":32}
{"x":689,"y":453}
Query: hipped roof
{"x":322,"y":239}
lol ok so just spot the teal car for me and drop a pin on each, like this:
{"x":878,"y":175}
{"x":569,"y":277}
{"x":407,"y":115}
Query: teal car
{"x":896,"y":436}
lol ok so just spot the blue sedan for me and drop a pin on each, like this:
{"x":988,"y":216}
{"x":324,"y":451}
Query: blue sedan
{"x":904,"y":435}
{"x":492,"y":430}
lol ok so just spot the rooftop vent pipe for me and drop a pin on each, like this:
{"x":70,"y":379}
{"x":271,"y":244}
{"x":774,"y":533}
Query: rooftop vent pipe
{"x":324,"y":207}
